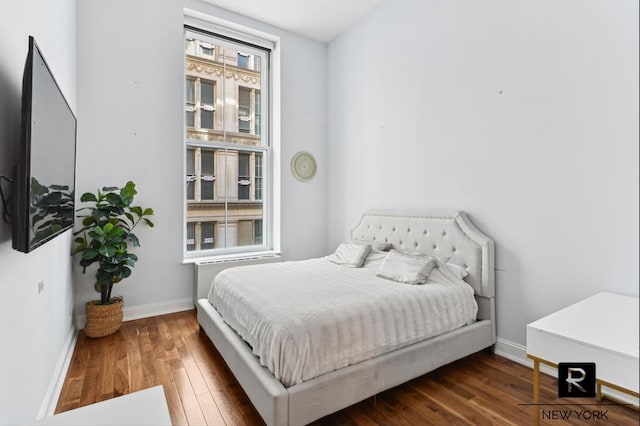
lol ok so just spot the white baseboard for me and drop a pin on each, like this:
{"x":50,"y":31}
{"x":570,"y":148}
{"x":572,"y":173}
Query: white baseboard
{"x":48,"y":406}
{"x":147,"y":310}
{"x":518,"y":353}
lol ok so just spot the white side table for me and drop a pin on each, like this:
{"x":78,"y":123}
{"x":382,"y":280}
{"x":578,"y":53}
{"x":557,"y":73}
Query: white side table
{"x":602,"y":329}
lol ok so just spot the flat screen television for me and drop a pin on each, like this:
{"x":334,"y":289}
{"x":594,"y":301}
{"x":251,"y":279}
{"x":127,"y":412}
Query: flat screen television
{"x":43,"y":198}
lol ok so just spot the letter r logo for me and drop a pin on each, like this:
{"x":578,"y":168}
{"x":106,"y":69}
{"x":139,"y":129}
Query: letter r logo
{"x":575,"y":375}
{"x":576,"y":379}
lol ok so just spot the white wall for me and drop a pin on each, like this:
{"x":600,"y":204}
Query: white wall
{"x":522,"y":113}
{"x":35,"y":329}
{"x":130,"y":98}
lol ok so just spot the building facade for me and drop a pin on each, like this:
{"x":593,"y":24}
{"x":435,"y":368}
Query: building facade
{"x":225,"y":154}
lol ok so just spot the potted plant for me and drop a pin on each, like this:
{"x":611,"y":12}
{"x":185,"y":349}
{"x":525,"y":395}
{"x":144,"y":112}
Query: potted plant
{"x":107,"y":231}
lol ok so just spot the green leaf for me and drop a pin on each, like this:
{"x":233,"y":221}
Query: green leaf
{"x":116,"y":232}
{"x":89,"y":254}
{"x":147,"y":212}
{"x":59,"y":187}
{"x":129,"y":190}
{"x":148,"y":222}
{"x":110,"y":268}
{"x":100,"y":213}
{"x":109,"y":188}
{"x":113,"y":198}
{"x":107,"y":228}
{"x":107,"y":251}
{"x":88,"y":221}
{"x":126,"y":272}
{"x":88,"y":196}
{"x":137,"y":210}
{"x":133,"y":239}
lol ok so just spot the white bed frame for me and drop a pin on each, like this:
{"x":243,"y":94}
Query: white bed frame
{"x":444,"y":233}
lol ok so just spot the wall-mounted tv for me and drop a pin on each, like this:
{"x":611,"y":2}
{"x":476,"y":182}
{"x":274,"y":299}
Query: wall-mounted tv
{"x":43,"y":199}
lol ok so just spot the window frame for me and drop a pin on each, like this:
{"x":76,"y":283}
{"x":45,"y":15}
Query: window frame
{"x":270,"y":108}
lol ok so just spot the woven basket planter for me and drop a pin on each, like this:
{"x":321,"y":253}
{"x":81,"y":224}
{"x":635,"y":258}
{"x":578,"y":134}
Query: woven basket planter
{"x":103,"y":320}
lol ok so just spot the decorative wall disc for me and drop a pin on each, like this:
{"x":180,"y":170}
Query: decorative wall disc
{"x":303,"y":166}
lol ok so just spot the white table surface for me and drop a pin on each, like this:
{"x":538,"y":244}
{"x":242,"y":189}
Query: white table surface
{"x":603,"y":328}
{"x":145,"y":407}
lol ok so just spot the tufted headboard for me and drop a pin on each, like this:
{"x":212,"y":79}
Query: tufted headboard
{"x":441,"y":233}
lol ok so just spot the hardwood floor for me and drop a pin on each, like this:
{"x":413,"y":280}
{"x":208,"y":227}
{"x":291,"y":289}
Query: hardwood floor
{"x":481,"y":389}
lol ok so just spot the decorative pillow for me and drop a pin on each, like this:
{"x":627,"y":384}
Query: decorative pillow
{"x":350,"y":254}
{"x":374,"y":244}
{"x":374,"y":259}
{"x":454,"y":269}
{"x":409,"y":268}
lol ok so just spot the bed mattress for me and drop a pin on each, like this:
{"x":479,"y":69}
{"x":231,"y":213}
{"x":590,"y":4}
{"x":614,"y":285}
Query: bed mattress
{"x":306,"y":318}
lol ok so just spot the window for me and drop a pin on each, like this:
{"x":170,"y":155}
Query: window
{"x":249,"y":110}
{"x":257,"y":231}
{"x":206,"y":104}
{"x":243,"y":60}
{"x":257,"y":112}
{"x":228,"y":150}
{"x":206,"y":49}
{"x":190,"y":106}
{"x":251,"y":62}
{"x":191,"y":174}
{"x":207,"y":175}
{"x":244,"y":110}
{"x":257,"y":179}
{"x":244,"y":178}
{"x":191,"y":236}
{"x":207,"y":230}
{"x":199,"y":103}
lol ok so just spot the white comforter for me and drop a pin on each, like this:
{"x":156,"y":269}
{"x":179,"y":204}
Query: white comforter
{"x":307,"y":318}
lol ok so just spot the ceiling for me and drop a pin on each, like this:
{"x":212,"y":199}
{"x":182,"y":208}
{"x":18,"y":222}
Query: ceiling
{"x":321,"y":20}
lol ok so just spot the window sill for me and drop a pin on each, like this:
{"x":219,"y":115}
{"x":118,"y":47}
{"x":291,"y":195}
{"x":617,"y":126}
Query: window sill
{"x":230,"y":257}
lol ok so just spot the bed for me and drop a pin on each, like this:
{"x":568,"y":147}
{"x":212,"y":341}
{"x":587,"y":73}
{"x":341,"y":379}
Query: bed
{"x":443,"y":233}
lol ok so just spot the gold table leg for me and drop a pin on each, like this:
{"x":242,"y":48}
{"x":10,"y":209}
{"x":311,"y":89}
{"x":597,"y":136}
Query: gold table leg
{"x":536,"y":392}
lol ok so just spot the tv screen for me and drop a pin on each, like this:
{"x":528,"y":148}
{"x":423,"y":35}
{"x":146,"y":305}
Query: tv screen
{"x":45,"y":174}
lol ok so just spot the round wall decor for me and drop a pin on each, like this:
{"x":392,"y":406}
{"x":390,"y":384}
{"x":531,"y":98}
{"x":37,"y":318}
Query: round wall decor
{"x":303,"y":166}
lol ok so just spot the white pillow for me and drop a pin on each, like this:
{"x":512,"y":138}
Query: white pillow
{"x":409,"y":268}
{"x":374,"y":244}
{"x":350,"y":254}
{"x":454,"y":269}
{"x":374,"y":259}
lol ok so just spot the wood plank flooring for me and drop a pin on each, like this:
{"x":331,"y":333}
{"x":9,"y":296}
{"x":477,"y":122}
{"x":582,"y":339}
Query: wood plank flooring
{"x":171,"y":351}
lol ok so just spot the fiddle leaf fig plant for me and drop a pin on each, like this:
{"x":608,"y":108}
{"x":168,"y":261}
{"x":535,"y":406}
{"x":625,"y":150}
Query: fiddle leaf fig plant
{"x":107,"y":230}
{"x":51,"y":209}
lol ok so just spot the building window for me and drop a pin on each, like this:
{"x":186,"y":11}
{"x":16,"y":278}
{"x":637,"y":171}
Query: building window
{"x":249,"y":110}
{"x":244,"y":178}
{"x":206,"y":49}
{"x":243,"y":60}
{"x":257,"y":231}
{"x":199,"y":103}
{"x":257,"y":179}
{"x":207,"y":232}
{"x":190,"y":100}
{"x":191,"y":236}
{"x":191,"y":174}
{"x":257,"y":112}
{"x":206,"y":104}
{"x":207,"y":174}
{"x":244,"y":110}
{"x":228,"y":161}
